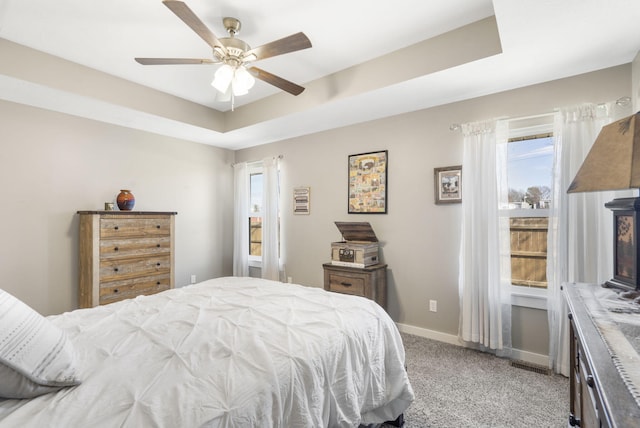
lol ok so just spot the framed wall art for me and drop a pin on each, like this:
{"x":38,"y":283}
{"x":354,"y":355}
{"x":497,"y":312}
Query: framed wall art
{"x":448,"y":184}
{"x":368,"y":183}
{"x":301,"y":200}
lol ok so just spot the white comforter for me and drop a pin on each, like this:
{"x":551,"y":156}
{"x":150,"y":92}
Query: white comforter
{"x":229,"y":352}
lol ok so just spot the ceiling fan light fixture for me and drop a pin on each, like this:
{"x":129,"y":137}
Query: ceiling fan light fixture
{"x":223,"y":77}
{"x":242,"y":81}
{"x":224,"y":97}
{"x":237,"y":79}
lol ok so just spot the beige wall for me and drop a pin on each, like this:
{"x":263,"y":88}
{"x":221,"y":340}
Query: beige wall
{"x":419,"y":240}
{"x":52,"y":165}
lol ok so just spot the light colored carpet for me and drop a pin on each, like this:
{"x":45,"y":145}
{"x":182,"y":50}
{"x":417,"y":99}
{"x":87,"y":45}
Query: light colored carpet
{"x":460,"y":387}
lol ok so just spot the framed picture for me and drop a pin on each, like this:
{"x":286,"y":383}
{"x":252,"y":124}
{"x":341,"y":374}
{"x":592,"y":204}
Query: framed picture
{"x":368,"y":183}
{"x":301,"y":200}
{"x":448,"y":184}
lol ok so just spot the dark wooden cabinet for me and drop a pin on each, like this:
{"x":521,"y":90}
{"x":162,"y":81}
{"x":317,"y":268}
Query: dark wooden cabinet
{"x":369,"y":282}
{"x":599,"y":396}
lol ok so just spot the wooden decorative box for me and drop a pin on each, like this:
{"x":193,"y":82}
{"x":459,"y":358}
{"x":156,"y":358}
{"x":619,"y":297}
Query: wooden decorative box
{"x":359,"y":247}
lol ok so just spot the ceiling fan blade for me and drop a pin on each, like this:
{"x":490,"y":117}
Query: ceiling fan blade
{"x":169,"y":61}
{"x":276,"y":81}
{"x":292,"y":43}
{"x":183,"y":12}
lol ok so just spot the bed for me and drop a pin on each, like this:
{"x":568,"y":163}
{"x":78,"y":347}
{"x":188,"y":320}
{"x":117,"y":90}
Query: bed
{"x":228,"y":352}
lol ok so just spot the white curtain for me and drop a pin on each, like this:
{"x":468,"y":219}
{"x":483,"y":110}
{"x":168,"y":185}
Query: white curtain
{"x":485,"y":266}
{"x":580,"y":238}
{"x":270,"y":209}
{"x":240,"y":220}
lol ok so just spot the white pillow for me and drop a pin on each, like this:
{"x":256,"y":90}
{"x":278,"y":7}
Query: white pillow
{"x":35,"y":355}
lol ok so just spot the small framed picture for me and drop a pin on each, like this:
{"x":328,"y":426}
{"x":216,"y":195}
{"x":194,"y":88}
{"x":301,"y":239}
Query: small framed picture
{"x":448,"y":184}
{"x":301,"y":200}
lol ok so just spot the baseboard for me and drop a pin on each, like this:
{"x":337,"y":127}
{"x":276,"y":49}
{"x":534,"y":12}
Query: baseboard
{"x":517,"y":354}
{"x":530,"y":357}
{"x":429,"y":334}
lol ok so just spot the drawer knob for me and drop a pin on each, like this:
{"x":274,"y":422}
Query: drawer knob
{"x":115,"y":290}
{"x":590,"y":381}
{"x":115,"y":249}
{"x":115,"y":269}
{"x":158,"y":227}
{"x":116,"y":227}
{"x":346,"y":284}
{"x":157,"y":282}
{"x":158,"y":246}
{"x":158,"y":264}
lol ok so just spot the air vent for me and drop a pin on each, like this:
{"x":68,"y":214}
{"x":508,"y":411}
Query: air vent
{"x":530,"y":367}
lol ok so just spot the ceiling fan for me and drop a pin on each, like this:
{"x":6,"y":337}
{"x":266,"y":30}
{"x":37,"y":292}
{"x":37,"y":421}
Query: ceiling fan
{"x":234,"y":77}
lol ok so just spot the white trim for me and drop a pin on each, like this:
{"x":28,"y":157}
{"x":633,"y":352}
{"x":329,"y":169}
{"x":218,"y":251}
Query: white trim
{"x":524,"y":212}
{"x":429,"y":334}
{"x":516,"y":354}
{"x":531,"y":125}
{"x":529,"y":297}
{"x":530,"y":357}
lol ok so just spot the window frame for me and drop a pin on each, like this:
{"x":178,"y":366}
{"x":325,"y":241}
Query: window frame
{"x":529,"y":297}
{"x":253,"y":169}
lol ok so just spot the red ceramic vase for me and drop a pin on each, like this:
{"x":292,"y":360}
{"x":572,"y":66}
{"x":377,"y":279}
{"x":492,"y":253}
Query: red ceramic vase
{"x":125,"y":200}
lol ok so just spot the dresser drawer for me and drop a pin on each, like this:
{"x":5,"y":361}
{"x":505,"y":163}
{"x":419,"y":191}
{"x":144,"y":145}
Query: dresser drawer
{"x":126,"y":289}
{"x":127,"y":227}
{"x":346,"y":284}
{"x":118,"y":269}
{"x":369,"y":282}
{"x":117,"y":248}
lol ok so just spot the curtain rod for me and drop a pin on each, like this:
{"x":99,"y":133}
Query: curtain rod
{"x":622,"y":101}
{"x":458,"y":127}
{"x":255,"y":161}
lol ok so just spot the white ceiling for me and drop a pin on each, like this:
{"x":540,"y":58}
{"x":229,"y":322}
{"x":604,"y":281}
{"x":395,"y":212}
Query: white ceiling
{"x":541,"y":40}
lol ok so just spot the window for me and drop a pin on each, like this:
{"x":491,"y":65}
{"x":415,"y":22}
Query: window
{"x":529,"y":175}
{"x":255,"y":214}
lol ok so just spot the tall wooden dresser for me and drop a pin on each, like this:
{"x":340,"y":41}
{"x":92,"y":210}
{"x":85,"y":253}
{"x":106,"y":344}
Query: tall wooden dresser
{"x":124,"y":254}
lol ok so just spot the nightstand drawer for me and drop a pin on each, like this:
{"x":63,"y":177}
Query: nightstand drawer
{"x":369,"y":282}
{"x":346,"y":284}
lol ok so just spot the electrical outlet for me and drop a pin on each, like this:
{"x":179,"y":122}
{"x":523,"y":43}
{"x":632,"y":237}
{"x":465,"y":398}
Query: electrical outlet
{"x":433,"y":305}
{"x":193,"y":279}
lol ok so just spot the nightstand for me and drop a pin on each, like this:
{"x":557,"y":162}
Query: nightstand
{"x":369,"y":282}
